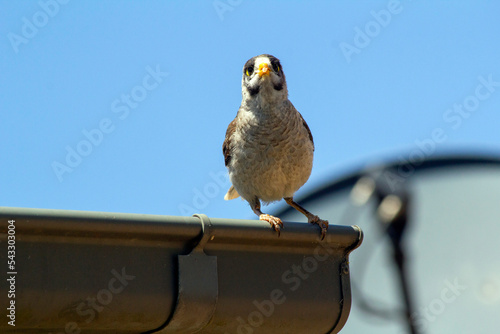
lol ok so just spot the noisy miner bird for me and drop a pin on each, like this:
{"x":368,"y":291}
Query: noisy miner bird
{"x":268,"y":149}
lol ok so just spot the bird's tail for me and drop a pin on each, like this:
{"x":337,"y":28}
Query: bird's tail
{"x":231,"y":194}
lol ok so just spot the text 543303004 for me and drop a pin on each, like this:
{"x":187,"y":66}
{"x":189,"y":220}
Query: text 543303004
{"x":11,"y":271}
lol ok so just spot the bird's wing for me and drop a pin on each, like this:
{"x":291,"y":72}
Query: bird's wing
{"x":226,"y":150}
{"x":307,"y":128}
{"x":226,"y":146}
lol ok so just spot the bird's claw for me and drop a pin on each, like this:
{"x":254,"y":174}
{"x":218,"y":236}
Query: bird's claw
{"x":324,"y":227}
{"x":275,"y":222}
{"x":323,"y":224}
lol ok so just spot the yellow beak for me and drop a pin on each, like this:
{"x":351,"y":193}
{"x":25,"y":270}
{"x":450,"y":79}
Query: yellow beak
{"x":263,"y":69}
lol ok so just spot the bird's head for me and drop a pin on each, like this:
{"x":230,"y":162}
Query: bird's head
{"x":263,"y":77}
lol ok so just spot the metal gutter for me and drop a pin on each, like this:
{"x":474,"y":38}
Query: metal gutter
{"x":97,"y":272}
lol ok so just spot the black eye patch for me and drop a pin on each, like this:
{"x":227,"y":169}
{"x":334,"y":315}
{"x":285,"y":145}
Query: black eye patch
{"x":275,"y":63}
{"x":249,"y":70}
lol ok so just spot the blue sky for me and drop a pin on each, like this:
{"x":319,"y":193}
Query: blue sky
{"x":123,"y":106}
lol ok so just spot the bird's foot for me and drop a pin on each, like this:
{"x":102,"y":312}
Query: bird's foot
{"x":323,"y":224}
{"x":275,"y":222}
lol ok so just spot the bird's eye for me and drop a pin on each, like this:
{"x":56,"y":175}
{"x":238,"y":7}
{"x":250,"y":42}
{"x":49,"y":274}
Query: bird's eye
{"x":276,"y":67}
{"x":249,"y":71}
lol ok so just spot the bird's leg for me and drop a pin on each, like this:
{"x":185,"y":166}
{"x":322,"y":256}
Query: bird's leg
{"x":312,"y":219}
{"x":274,"y":221}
